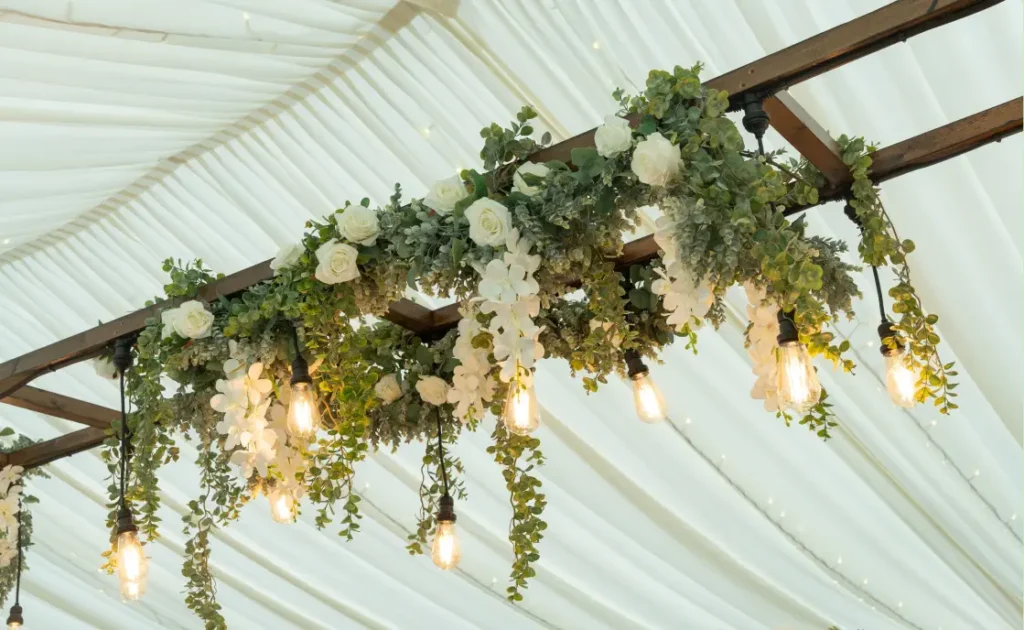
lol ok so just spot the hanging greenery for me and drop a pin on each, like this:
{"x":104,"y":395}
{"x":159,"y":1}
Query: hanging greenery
{"x":13,"y":498}
{"x":529,"y":250}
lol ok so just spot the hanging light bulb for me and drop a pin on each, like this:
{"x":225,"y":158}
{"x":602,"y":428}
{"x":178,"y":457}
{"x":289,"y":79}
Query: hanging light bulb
{"x":303,"y":411}
{"x":15,"y":619}
{"x":650,"y":406}
{"x":522,"y":414}
{"x":132,"y":564}
{"x":282,"y":504}
{"x":445,"y":551}
{"x":797,"y":382}
{"x":900,"y":377}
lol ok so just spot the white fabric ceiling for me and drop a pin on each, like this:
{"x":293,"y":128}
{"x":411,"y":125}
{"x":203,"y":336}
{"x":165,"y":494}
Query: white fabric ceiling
{"x":133,"y":132}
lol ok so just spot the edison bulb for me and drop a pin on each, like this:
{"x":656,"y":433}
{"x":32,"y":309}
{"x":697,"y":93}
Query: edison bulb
{"x":797,"y":382}
{"x":13,"y":625}
{"x":900,"y":378}
{"x":282,"y":505}
{"x":650,"y":406}
{"x":132,"y":565}
{"x":303,"y":413}
{"x":522,"y":414}
{"x":445,"y":551}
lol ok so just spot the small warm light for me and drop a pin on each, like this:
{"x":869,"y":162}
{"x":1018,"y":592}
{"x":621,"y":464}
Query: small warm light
{"x":900,"y":378}
{"x":865,"y":580}
{"x":1013,"y":517}
{"x":303,"y":412}
{"x":650,"y":406}
{"x":7,"y":241}
{"x":935,"y":423}
{"x":522,"y":414}
{"x":245,"y":15}
{"x":445,"y":551}
{"x":597,"y":45}
{"x":688,"y":421}
{"x":282,"y":505}
{"x":797,"y":384}
{"x":899,"y":604}
{"x":771,"y":500}
{"x":870,"y":344}
{"x":782,"y":514}
{"x":13,"y":625}
{"x":840,"y":560}
{"x":132,"y":565}
{"x":426,"y":132}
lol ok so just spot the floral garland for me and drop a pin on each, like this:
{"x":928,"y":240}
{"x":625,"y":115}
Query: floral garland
{"x":14,"y":527}
{"x":513,"y":247}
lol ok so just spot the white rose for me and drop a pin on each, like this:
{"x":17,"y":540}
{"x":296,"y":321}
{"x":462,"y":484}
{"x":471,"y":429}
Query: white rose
{"x":104,"y":368}
{"x":432,"y":390}
{"x":388,"y":389}
{"x":287,"y":256}
{"x":488,"y":222}
{"x":336,"y":262}
{"x":445,"y":194}
{"x":530,"y":168}
{"x":192,"y":320}
{"x":656,"y":160}
{"x":613,"y":137}
{"x":358,"y":224}
{"x":167,"y":321}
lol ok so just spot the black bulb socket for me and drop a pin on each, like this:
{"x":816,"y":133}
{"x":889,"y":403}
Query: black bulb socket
{"x":635,"y":366}
{"x":125,"y":522}
{"x":123,"y":354}
{"x":755,"y":119}
{"x":887,"y":331}
{"x":15,"y":616}
{"x":300,"y":370}
{"x":447,"y":511}
{"x":787,"y":328}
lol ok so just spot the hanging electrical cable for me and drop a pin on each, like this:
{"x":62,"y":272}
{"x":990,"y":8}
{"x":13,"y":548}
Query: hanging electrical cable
{"x":445,"y":551}
{"x":132,"y":564}
{"x":15,"y":619}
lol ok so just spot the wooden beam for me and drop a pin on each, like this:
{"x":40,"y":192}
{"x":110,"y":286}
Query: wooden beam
{"x":60,"y":406}
{"x":956,"y":138}
{"x":892,"y":24}
{"x":47,"y":451}
{"x":812,"y":140}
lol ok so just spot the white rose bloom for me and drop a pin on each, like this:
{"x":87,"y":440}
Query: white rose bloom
{"x":287,"y":256}
{"x":192,"y":320}
{"x":530,"y":168}
{"x":656,"y":160}
{"x":358,"y":224}
{"x":613,"y":137}
{"x":104,"y":368}
{"x":488,"y":222}
{"x":432,"y":390}
{"x":167,"y":321}
{"x":336,"y":262}
{"x":444,"y":194}
{"x":388,"y":389}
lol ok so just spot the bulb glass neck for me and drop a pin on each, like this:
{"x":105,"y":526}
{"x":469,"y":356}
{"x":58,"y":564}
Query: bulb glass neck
{"x":447,"y":511}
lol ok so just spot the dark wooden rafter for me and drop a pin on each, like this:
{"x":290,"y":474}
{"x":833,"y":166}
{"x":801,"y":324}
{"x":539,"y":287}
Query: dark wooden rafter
{"x":767,"y":78}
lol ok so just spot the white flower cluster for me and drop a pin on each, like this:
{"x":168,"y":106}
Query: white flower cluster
{"x":190,"y":320}
{"x":685,"y":297}
{"x":761,"y":343}
{"x":472,"y":386}
{"x":244,"y":399}
{"x":509,"y":290}
{"x":10,"y":493}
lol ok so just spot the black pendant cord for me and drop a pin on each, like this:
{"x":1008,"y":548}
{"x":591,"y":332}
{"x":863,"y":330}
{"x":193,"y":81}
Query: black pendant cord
{"x":878,"y":290}
{"x":17,"y":584}
{"x":124,"y":444}
{"x":440,"y":454}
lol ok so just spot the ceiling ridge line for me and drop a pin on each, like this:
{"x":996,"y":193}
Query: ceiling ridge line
{"x":399,"y":16}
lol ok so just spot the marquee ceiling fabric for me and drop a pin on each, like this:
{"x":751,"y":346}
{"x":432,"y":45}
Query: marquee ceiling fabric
{"x":135,"y":131}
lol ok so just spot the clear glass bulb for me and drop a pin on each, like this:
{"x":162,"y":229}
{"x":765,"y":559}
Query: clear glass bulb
{"x":132,"y":566}
{"x":445,"y":551}
{"x":282,"y":505}
{"x":650,"y":406}
{"x":13,"y":625}
{"x":797,"y":382}
{"x":900,"y":378}
{"x":522,"y":414}
{"x":303,"y":412}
